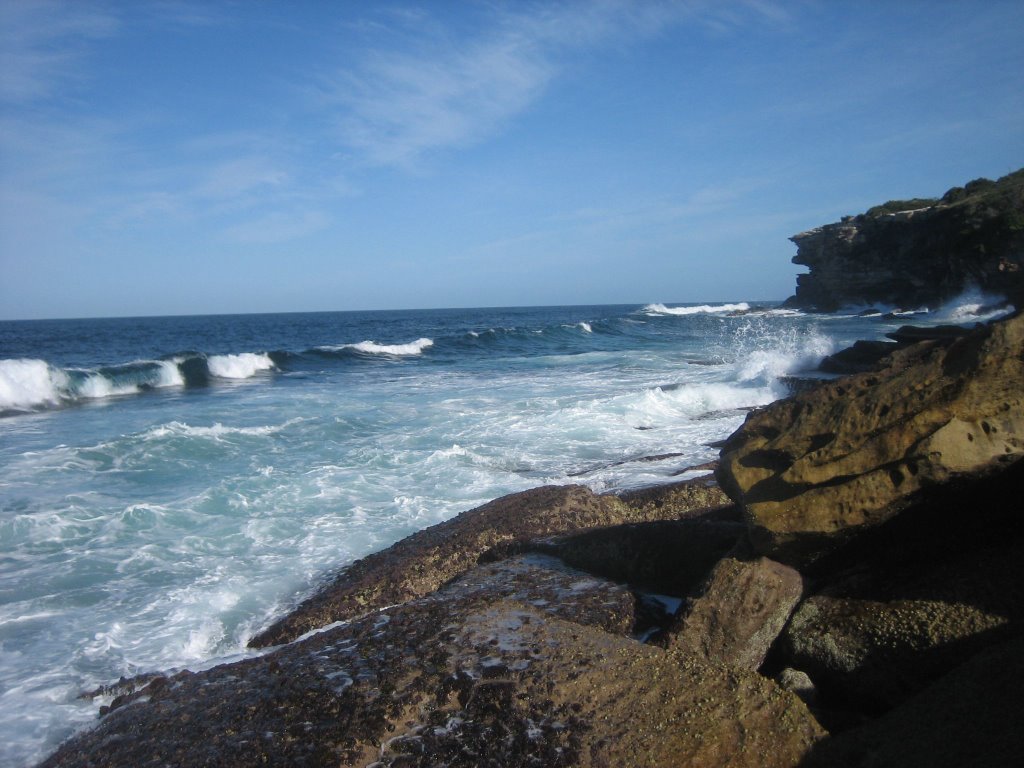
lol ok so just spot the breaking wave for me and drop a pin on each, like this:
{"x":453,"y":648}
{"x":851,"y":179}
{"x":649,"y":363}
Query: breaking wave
{"x":30,"y":385}
{"x":396,"y":350}
{"x":661,"y":309}
{"x":242,"y":366}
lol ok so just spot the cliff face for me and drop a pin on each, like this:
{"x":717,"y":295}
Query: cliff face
{"x":918,"y":253}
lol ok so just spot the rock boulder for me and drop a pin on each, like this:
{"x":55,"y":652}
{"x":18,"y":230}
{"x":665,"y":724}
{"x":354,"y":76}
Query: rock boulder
{"x":814,"y":469}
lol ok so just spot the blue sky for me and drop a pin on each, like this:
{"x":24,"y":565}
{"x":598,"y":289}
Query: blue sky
{"x":179,"y":158}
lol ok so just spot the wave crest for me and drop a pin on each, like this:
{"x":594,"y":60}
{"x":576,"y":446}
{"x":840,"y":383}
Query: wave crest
{"x":26,"y":383}
{"x":241,"y":366}
{"x":396,"y":350}
{"x":661,"y":309}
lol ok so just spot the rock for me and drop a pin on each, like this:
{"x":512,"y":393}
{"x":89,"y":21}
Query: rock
{"x":918,"y":252}
{"x":798,"y":682}
{"x":465,"y":677}
{"x":549,"y":584}
{"x":813,"y":470}
{"x":874,"y":655}
{"x":971,"y":716}
{"x":687,"y":498}
{"x":421,"y":563}
{"x":670,"y":557}
{"x":740,"y":612}
{"x":862,"y":356}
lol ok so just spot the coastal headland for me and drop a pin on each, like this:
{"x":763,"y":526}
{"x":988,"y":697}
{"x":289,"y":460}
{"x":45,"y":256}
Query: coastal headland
{"x":841,"y":589}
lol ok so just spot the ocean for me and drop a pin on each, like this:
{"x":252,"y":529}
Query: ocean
{"x":170,"y":485}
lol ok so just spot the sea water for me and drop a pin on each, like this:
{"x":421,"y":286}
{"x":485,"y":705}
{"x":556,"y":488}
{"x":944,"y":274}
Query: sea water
{"x":169,"y":486}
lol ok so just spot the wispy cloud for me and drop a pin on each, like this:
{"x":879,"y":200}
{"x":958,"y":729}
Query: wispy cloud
{"x":41,"y":42}
{"x":278,"y":227}
{"x":232,"y":178}
{"x":400,"y":103}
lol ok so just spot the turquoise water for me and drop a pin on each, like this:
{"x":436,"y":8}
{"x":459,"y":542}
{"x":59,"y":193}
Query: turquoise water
{"x":168,"y":486}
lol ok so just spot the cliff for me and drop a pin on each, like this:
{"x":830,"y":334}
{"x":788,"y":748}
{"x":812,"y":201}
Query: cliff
{"x":918,"y":253}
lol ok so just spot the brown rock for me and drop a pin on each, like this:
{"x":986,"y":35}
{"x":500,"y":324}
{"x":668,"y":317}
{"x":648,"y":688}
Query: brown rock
{"x":919,"y":252}
{"x":419,"y":564}
{"x":813,"y":469}
{"x":799,"y":682}
{"x":670,"y":557}
{"x":862,"y":356}
{"x":971,"y":716}
{"x":463,"y":678}
{"x":876,"y":654}
{"x":743,"y":608}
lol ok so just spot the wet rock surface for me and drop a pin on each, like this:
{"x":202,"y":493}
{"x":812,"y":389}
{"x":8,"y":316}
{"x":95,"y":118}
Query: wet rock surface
{"x":421,"y":563}
{"x":484,"y":672}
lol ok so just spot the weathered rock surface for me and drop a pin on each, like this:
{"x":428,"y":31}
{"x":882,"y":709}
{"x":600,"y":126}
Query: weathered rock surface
{"x":743,"y":608}
{"x":671,"y":557}
{"x":481,"y":673}
{"x":972,"y":716}
{"x":862,"y":356}
{"x":847,"y":455}
{"x":421,"y":563}
{"x":875,"y":654}
{"x":918,"y":252}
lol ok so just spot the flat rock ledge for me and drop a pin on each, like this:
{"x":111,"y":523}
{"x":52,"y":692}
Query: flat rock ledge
{"x":521,"y":663}
{"x":422,"y":562}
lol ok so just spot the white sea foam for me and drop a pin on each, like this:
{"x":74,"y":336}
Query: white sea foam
{"x":973,"y":305}
{"x":398,"y":350}
{"x":787,"y":356}
{"x":661,"y":309}
{"x":241,"y":366}
{"x":96,"y":386}
{"x":585,"y":327}
{"x":30,"y":384}
{"x":216,"y":431}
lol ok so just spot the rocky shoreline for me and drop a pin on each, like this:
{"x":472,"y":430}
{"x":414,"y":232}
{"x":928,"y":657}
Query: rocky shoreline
{"x":851,"y":599}
{"x":843,"y":590}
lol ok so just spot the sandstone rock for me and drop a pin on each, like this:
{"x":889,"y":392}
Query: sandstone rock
{"x":671,"y":557}
{"x":549,"y":584}
{"x":813,"y":469}
{"x":874,"y":655}
{"x":741,"y":611}
{"x":917,"y":257}
{"x":465,"y":677}
{"x":687,"y":498}
{"x":798,"y":682}
{"x":971,"y":716}
{"x":862,"y":356}
{"x":421,"y":563}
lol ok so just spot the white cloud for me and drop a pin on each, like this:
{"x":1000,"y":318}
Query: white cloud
{"x":432,"y":93}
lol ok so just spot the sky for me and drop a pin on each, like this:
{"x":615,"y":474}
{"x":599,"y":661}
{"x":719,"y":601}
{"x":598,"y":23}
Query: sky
{"x":169,"y":157}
